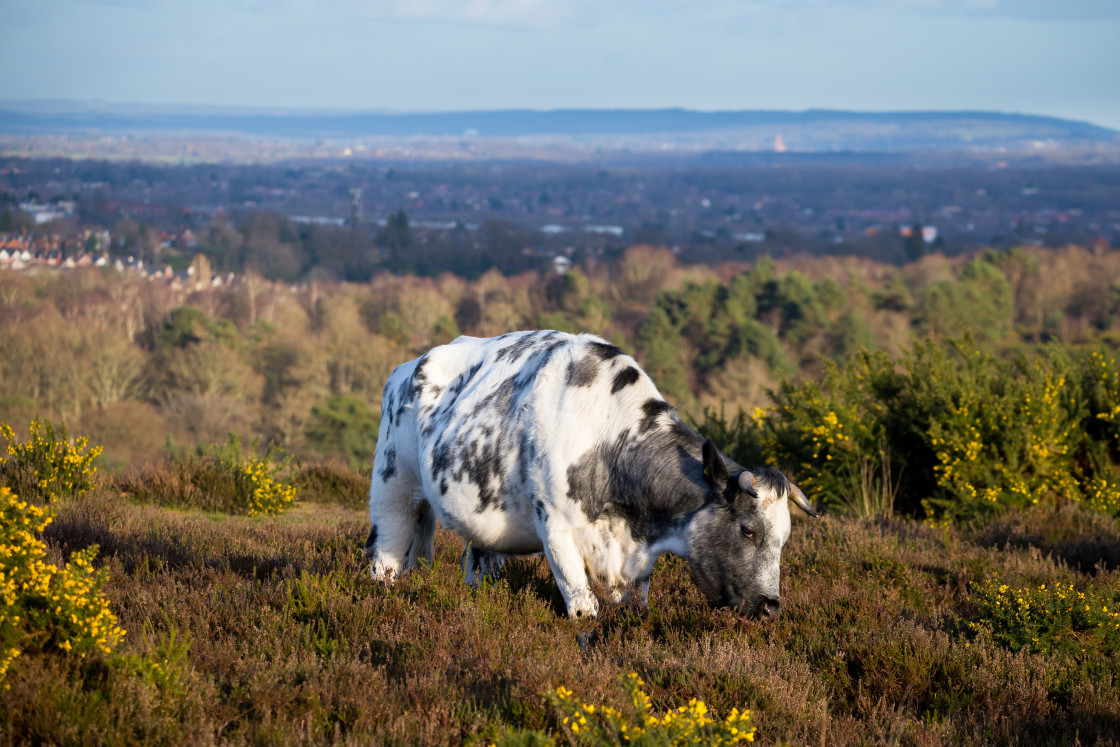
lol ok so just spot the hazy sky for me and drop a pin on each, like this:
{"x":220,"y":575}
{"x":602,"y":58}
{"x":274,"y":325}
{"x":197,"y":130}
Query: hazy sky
{"x":1058,"y":57}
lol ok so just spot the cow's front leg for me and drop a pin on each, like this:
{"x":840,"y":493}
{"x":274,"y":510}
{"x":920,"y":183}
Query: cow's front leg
{"x":569,"y":571}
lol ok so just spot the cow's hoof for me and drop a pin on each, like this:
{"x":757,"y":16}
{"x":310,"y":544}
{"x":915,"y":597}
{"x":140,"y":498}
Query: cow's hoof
{"x":383,"y":573}
{"x":584,"y":605}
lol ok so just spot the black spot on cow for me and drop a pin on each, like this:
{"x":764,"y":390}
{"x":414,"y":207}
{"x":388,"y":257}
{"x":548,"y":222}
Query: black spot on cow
{"x":440,"y":415}
{"x":525,"y":456}
{"x":371,"y":542}
{"x":460,"y":383}
{"x":651,"y":410}
{"x":604,"y":351}
{"x":419,"y":376}
{"x":402,"y":399}
{"x":584,"y":371}
{"x":387,"y":406}
{"x":624,"y":378}
{"x":441,"y":459}
{"x":648,"y":481}
{"x":389,"y":464}
{"x":516,"y":349}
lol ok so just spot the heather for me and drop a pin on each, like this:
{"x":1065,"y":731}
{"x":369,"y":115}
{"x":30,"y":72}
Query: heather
{"x":269,"y":629}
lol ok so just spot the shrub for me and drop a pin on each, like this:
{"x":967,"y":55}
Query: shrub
{"x":953,"y":431}
{"x":738,"y":437}
{"x":1102,"y":494}
{"x":1048,"y":617}
{"x":257,"y":479}
{"x":222,"y":478}
{"x":44,"y":606}
{"x":332,"y":483}
{"x":1002,"y":433}
{"x":48,"y":464}
{"x":836,"y":436}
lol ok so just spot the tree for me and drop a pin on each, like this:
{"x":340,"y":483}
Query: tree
{"x":15,"y":221}
{"x":659,"y":341}
{"x":915,"y":244}
{"x":344,"y":426}
{"x":396,"y":235}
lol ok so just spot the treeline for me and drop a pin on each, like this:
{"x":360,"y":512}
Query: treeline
{"x":146,"y":370}
{"x":274,"y":247}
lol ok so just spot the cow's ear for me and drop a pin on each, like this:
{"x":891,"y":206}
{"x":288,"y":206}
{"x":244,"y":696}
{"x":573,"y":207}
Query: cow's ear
{"x":715,"y":468}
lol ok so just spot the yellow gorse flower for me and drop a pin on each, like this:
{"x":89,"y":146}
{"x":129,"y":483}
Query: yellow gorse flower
{"x":257,"y":478}
{"x":1043,"y":616}
{"x":690,"y":724}
{"x":60,"y":467}
{"x":42,"y":605}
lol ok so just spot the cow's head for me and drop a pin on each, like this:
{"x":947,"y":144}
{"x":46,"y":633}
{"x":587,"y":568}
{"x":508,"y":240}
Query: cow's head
{"x":735,"y":541}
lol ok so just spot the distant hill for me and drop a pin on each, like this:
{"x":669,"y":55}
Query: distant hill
{"x":637,"y":129}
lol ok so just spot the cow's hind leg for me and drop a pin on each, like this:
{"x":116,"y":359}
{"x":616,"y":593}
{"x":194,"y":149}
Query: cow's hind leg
{"x":480,"y":565}
{"x":399,"y":532}
{"x":423,"y":546}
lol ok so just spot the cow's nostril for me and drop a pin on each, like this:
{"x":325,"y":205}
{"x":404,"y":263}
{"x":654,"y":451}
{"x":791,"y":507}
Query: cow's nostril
{"x":768,"y":610}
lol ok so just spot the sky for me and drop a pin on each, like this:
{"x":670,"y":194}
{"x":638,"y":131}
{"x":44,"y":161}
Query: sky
{"x":1051,"y":57}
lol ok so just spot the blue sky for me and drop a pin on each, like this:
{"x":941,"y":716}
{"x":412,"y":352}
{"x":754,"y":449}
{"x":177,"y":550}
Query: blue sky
{"x":1056,"y":57}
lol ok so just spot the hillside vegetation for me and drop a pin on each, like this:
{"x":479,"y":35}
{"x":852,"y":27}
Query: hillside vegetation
{"x":147,"y":370}
{"x":957,"y":420}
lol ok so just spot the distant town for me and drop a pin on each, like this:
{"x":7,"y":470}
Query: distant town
{"x":349,"y":220}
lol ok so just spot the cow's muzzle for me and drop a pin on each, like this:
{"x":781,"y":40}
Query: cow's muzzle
{"x":767,"y":610}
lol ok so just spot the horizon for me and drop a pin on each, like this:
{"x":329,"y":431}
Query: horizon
{"x":492,"y":55}
{"x":60,"y":105}
{"x":561,"y":132}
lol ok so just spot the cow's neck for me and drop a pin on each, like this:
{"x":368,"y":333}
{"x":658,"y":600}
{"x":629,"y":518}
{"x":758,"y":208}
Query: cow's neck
{"x":660,"y":490}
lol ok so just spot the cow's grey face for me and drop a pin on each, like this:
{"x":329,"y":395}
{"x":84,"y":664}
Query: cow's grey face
{"x":735,"y":542}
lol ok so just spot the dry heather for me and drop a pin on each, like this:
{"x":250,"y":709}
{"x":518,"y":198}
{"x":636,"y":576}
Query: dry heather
{"x":268,"y":630}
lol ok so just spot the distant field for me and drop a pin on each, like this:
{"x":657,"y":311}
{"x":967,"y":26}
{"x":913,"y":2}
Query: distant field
{"x":280,"y":637}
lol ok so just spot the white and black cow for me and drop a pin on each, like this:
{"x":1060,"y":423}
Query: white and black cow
{"x":546,"y":441}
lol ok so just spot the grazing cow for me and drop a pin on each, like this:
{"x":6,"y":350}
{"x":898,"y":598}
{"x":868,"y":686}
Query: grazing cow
{"x":549,"y":441}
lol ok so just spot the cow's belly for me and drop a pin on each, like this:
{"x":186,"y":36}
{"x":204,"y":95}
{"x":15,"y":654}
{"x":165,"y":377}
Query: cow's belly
{"x":511,"y":532}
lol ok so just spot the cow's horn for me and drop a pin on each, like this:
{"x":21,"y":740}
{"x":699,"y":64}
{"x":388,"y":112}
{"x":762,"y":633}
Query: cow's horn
{"x":802,"y":502}
{"x":746,"y":482}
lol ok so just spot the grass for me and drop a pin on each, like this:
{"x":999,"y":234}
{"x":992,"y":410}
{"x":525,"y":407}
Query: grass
{"x":269,"y":630}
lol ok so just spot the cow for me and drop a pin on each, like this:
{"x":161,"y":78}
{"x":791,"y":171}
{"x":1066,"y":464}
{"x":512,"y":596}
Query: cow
{"x":546,"y":441}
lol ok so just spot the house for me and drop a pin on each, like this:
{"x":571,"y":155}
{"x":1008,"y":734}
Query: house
{"x":561,"y":264}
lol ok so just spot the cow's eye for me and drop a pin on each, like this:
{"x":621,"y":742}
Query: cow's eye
{"x":747,"y":532}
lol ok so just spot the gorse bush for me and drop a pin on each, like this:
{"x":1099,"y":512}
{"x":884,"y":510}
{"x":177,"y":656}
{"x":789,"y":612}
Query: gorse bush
{"x":1049,"y":616}
{"x":257,"y":478}
{"x":834,"y":436}
{"x":1102,"y":494}
{"x":691,"y":724}
{"x":224,"y":478}
{"x":48,"y":464}
{"x":43,"y":606}
{"x":946,"y":431}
